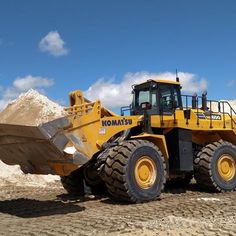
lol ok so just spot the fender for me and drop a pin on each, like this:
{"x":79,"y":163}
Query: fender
{"x":157,"y":139}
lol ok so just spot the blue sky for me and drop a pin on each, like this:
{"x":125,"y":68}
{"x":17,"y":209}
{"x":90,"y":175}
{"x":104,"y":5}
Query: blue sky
{"x":102,"y":44}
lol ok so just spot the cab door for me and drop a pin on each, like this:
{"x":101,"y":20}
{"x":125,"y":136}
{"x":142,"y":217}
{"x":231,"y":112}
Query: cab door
{"x":169,"y":98}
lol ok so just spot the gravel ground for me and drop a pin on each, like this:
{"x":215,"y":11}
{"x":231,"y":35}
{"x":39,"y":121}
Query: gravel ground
{"x":49,"y":211}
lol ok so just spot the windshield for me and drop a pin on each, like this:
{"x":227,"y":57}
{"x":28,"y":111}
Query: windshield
{"x":145,"y":95}
{"x":169,"y":97}
{"x":163,"y":97}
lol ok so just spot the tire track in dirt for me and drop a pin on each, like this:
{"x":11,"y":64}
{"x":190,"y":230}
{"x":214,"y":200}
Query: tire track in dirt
{"x":49,"y":211}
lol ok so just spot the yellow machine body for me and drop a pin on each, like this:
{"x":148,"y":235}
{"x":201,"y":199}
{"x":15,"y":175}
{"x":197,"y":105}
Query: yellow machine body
{"x":95,"y":125}
{"x":89,"y":126}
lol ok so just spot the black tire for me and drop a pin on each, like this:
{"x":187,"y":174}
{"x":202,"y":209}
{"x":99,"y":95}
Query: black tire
{"x":93,"y":179}
{"x":73,"y":183}
{"x":206,"y":170}
{"x":119,"y":168}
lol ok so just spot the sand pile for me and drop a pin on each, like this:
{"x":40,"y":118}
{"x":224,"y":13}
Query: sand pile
{"x":14,"y":175}
{"x":31,"y":108}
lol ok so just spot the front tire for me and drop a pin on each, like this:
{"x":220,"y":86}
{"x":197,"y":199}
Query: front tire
{"x":84,"y":180}
{"x":93,"y":179}
{"x":215,"y":167}
{"x":73,"y":183}
{"x":134,"y":171}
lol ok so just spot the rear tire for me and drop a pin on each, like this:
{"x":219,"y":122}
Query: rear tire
{"x":215,"y":167}
{"x":134,"y":171}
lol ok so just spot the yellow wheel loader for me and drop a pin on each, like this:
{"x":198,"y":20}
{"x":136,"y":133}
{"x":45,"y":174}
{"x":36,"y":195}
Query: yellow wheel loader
{"x":165,"y":136}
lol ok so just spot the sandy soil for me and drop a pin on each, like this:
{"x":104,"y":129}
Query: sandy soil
{"x":30,"y":108}
{"x":49,"y":211}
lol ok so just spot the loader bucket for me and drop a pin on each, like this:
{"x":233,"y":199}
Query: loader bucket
{"x":37,"y":149}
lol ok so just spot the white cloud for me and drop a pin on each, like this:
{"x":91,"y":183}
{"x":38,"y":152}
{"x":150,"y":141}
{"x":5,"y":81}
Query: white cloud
{"x":114,"y":95}
{"x":53,"y":44}
{"x":23,"y":84}
{"x":29,"y":81}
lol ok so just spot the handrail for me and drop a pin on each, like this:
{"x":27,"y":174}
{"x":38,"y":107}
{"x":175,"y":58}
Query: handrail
{"x":211,"y":115}
{"x":125,"y":108}
{"x":197,"y":111}
{"x":233,"y":121}
{"x":221,"y":104}
{"x":198,"y":102}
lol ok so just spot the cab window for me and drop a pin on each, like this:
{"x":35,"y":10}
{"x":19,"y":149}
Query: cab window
{"x":165,"y":97}
{"x":146,"y":95}
{"x":143,"y":96}
{"x":169,"y":97}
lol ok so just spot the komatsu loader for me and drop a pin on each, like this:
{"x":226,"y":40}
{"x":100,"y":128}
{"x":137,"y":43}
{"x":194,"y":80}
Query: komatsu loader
{"x":165,"y":136}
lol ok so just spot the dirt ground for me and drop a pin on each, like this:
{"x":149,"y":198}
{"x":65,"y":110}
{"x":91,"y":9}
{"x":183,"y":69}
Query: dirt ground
{"x":49,"y":211}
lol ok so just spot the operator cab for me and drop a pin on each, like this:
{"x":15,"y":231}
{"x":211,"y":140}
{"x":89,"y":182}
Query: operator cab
{"x":162,"y":97}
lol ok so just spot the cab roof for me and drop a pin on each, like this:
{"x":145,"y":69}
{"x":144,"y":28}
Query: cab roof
{"x":160,"y":82}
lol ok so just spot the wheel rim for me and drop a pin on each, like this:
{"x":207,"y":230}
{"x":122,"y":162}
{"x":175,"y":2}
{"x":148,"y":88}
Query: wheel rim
{"x":226,"y":167}
{"x":145,"y":172}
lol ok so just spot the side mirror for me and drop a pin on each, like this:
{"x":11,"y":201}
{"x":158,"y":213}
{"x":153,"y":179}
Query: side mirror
{"x":146,"y":106}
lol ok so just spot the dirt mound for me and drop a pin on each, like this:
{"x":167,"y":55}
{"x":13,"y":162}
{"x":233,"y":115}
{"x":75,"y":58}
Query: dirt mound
{"x":30,"y":108}
{"x":14,"y":175}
